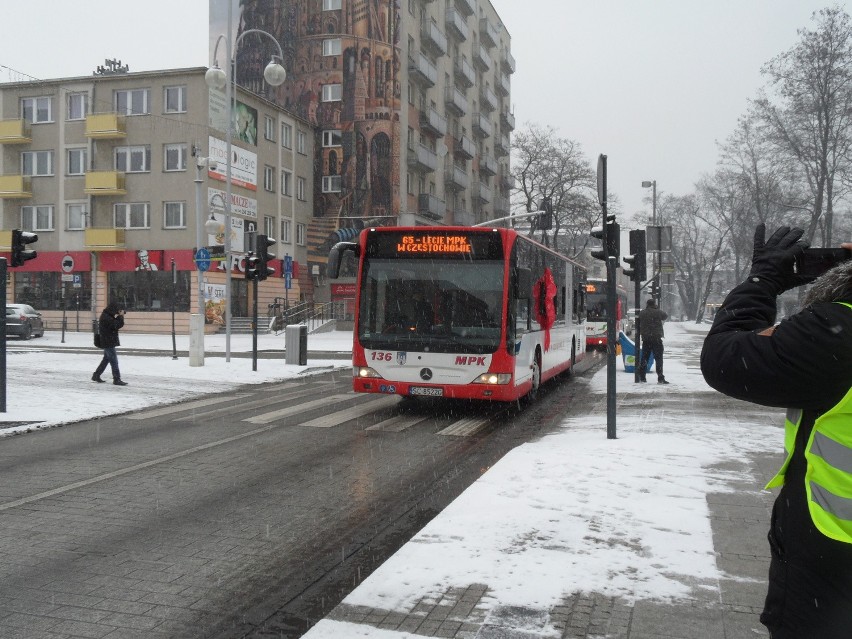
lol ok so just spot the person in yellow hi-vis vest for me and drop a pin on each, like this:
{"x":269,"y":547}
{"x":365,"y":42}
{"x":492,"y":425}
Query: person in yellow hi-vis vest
{"x":803,"y":364}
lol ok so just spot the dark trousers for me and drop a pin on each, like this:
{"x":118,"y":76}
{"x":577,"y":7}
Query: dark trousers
{"x":111,"y":358}
{"x":651,"y":345}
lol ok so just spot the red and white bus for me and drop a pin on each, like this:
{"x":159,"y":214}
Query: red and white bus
{"x":461,"y":312}
{"x":596,"y":315}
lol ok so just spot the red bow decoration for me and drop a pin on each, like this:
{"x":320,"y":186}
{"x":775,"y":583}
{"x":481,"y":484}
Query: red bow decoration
{"x":545,"y":311}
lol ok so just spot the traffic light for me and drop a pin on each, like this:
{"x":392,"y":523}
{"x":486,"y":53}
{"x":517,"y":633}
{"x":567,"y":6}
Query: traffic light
{"x":609,"y":236}
{"x":636,"y":259}
{"x":264,"y":258}
{"x":252,"y":266}
{"x":655,"y":289}
{"x":20,"y":253}
{"x":544,"y":222}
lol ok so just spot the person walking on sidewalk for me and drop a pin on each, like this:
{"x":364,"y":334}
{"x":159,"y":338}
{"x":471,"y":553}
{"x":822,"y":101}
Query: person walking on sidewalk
{"x":651,"y":321}
{"x":110,"y":322}
{"x":803,"y":364}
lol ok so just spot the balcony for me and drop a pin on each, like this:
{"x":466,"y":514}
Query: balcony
{"x":431,"y":206}
{"x":501,"y":206}
{"x":481,"y":57}
{"x":501,"y":146}
{"x":504,"y":86}
{"x":487,"y":165}
{"x":462,"y":217}
{"x":507,"y":121}
{"x":104,"y":183}
{"x":465,"y":147}
{"x":422,"y":70}
{"x":455,"y":101}
{"x":456,"y":179}
{"x":481,"y":192}
{"x":481,"y":125}
{"x":15,"y":187}
{"x":507,"y":180}
{"x":488,"y":99}
{"x":508,"y":61}
{"x":433,"y":122}
{"x":104,"y":239}
{"x":466,"y":7}
{"x":464,"y":72}
{"x":15,"y":132}
{"x":487,"y":33}
{"x":457,"y":25}
{"x":106,"y":126}
{"x":433,"y":38}
{"x":422,"y":159}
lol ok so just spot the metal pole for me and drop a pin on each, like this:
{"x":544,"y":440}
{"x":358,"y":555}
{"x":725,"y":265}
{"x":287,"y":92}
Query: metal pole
{"x":64,"y":307}
{"x":174,"y":295}
{"x":200,"y":214}
{"x":231,"y":100}
{"x":254,"y":327}
{"x":3,"y":337}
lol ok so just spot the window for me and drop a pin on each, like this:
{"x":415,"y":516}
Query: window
{"x":76,"y":162}
{"x":174,"y":99}
{"x":37,"y":163}
{"x":300,"y":188}
{"x":37,"y":110}
{"x":331,"y":184}
{"x":132,"y":102}
{"x":268,"y":226}
{"x":286,"y":183}
{"x":332,"y":137}
{"x":301,"y":234}
{"x":151,"y":290}
{"x":269,"y":128}
{"x":76,"y":215}
{"x":287,"y":136}
{"x":175,"y":157}
{"x":331,"y":5}
{"x":269,"y":178}
{"x":300,"y":142}
{"x":285,"y":231}
{"x":133,"y":159}
{"x":77,"y":106}
{"x":37,"y":218}
{"x":332,"y":92}
{"x":174,"y":215}
{"x":332,"y":46}
{"x":131,"y":215}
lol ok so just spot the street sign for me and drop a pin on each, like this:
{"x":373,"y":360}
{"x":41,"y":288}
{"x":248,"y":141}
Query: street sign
{"x":202,"y":259}
{"x":67,"y":277}
{"x":288,"y":265}
{"x":78,"y":280}
{"x":288,"y":281}
{"x":67,"y":264}
{"x":216,"y":253}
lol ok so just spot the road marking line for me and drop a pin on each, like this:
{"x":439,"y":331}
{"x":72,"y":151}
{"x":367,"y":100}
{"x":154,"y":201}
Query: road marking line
{"x":465,"y":427}
{"x":335,"y":419}
{"x":398,"y":423}
{"x":265,"y":401}
{"x":178,"y":408}
{"x":295,"y":410}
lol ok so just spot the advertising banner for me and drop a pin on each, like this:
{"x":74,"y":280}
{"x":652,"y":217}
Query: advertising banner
{"x":243,"y":164}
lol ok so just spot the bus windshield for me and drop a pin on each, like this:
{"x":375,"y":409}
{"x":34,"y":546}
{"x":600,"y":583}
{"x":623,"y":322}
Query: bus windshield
{"x":439,"y":304}
{"x":596,"y":307}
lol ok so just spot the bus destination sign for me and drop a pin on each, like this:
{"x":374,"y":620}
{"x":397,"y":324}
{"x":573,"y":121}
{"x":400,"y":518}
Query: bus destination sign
{"x":433,"y":244}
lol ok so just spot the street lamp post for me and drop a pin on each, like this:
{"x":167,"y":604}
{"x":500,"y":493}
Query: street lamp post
{"x":216,"y":78}
{"x":653,"y":185}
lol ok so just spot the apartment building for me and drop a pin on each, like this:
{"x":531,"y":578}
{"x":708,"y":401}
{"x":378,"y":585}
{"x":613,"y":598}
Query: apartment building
{"x":105,"y":169}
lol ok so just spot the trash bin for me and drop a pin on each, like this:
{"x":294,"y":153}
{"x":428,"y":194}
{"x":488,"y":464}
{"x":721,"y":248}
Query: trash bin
{"x":296,"y":344}
{"x":629,"y":355}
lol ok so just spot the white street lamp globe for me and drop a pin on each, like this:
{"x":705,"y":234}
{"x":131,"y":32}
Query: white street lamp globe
{"x":212,"y":226}
{"x":274,"y":74}
{"x":215,"y":77}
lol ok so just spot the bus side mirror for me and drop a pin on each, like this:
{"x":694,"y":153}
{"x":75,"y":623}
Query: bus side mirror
{"x":524,"y":284}
{"x":335,"y":257}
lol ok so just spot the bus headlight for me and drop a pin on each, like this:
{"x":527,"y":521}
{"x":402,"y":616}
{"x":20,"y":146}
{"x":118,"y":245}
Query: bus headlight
{"x":364,"y":372}
{"x":493,"y":378}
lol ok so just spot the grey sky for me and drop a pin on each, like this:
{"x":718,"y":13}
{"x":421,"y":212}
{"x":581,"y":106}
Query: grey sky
{"x":651,"y":83}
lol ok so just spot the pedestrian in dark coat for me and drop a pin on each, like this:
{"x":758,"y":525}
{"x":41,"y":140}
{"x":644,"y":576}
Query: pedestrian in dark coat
{"x":110,"y":322}
{"x":651,"y":328}
{"x":803,"y":364}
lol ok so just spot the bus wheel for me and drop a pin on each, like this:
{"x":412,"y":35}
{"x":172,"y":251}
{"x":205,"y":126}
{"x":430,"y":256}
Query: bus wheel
{"x":536,"y":378}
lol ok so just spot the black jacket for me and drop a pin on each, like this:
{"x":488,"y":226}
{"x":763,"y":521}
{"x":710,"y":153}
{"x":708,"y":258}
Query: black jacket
{"x":110,"y":322}
{"x":651,"y":322}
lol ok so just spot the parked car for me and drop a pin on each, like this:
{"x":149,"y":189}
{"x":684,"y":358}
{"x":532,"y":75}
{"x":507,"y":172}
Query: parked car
{"x":630,"y":321}
{"x":24,"y":321}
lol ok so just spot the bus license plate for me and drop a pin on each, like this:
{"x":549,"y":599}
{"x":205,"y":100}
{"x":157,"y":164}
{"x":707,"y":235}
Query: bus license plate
{"x":424,"y":390}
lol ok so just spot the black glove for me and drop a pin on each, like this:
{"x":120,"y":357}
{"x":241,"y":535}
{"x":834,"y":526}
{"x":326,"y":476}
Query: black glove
{"x":772,"y":260}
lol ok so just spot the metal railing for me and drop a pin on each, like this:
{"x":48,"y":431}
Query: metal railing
{"x":311,"y":314}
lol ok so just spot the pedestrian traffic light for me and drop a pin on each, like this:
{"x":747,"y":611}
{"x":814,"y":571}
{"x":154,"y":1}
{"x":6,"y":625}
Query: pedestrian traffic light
{"x":544,"y":222}
{"x":609,"y":237}
{"x":264,"y":269}
{"x":636,"y":260}
{"x":20,"y":253}
{"x":252,"y":266}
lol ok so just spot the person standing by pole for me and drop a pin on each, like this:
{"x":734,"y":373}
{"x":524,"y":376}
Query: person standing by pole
{"x":651,"y":322}
{"x":111,"y":321}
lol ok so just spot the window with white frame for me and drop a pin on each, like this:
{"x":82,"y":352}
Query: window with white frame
{"x":133,"y":159}
{"x":76,"y":162}
{"x":285,"y":231}
{"x":331,"y":184}
{"x":269,"y":226}
{"x":286,"y":182}
{"x":131,"y":215}
{"x":301,"y":234}
{"x":37,"y":110}
{"x":77,"y":106}
{"x":37,"y":163}
{"x":269,"y":178}
{"x":332,"y":46}
{"x":174,"y":215}
{"x":174,"y":157}
{"x":269,"y":128}
{"x":132,"y":102}
{"x":300,"y":188}
{"x":332,"y":137}
{"x":286,"y":136}
{"x":331,"y":5}
{"x":174,"y":99}
{"x":300,"y":142}
{"x":37,"y":218}
{"x":332,"y":92}
{"x":75,"y":214}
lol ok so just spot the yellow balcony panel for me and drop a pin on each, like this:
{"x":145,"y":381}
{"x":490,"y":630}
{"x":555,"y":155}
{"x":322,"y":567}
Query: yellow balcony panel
{"x":15,"y":132}
{"x":5,"y":240}
{"x":104,"y":239}
{"x":104,"y":183}
{"x":105,"y":126}
{"x":15,"y":187}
